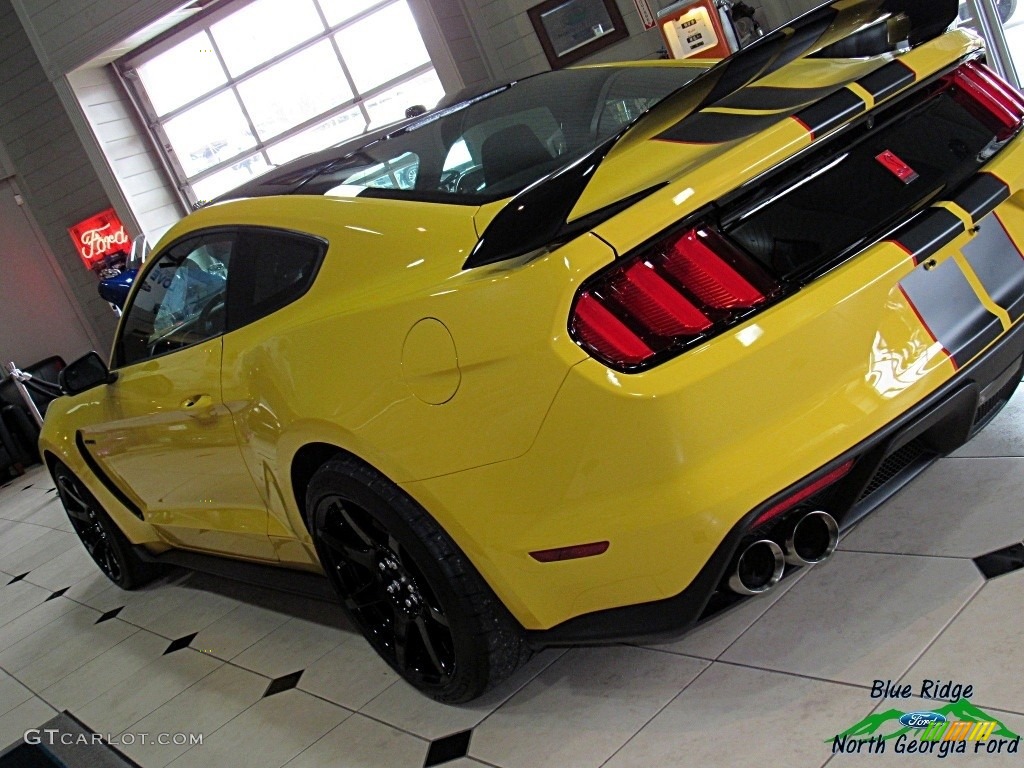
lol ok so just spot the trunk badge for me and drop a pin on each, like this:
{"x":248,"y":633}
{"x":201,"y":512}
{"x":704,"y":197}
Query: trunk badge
{"x":897,"y":167}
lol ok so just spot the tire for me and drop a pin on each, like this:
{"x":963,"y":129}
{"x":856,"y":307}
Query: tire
{"x":99,"y":534}
{"x":408,"y":588}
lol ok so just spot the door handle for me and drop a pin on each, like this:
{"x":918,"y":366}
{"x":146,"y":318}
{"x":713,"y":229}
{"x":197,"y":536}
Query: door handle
{"x":197,"y":402}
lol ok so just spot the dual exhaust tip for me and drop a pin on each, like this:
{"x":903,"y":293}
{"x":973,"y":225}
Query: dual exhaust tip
{"x":809,"y":540}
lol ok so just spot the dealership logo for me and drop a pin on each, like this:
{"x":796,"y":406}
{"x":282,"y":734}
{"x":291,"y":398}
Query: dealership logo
{"x":955,"y":728}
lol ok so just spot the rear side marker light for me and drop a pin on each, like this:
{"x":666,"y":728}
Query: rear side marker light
{"x":570,"y":553}
{"x":678,"y":291}
{"x":1002,"y":107}
{"x":804,"y":493}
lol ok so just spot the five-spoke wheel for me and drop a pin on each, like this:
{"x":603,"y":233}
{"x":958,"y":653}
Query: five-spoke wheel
{"x":407,"y":586}
{"x":103,"y":540}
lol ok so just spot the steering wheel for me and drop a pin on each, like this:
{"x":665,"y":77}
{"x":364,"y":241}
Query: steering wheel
{"x":211,"y":319}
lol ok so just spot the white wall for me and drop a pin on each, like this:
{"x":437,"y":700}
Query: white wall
{"x":126,"y":150}
{"x":39,"y":314}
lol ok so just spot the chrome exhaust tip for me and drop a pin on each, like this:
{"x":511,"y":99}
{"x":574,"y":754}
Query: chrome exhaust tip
{"x":758,"y":569}
{"x":812,"y":539}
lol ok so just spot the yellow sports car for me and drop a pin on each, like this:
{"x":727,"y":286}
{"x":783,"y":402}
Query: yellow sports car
{"x":591,"y":356}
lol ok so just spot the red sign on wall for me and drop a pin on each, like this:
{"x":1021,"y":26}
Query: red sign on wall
{"x":98,"y":236}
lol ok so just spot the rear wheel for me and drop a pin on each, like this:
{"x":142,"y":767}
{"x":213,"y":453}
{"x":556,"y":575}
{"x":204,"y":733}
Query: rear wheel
{"x":100,"y":536}
{"x":407,"y":586}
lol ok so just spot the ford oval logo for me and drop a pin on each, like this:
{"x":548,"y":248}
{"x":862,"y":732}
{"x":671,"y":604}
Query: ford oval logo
{"x":921,"y":719}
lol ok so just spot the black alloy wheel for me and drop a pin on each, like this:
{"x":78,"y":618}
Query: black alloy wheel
{"x":102,"y":539}
{"x":387,"y":594}
{"x":407,"y":586}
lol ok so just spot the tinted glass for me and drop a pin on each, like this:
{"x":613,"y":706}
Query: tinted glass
{"x":272,"y":269}
{"x":180,"y":302}
{"x":506,"y":139}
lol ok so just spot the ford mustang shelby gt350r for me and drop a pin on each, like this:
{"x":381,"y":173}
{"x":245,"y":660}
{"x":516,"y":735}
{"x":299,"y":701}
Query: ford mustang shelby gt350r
{"x":587,"y":357}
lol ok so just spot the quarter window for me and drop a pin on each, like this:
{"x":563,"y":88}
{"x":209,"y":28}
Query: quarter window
{"x":272,"y":269}
{"x":181,"y":301}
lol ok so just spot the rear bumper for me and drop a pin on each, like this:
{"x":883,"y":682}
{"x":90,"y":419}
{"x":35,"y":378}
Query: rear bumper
{"x":883,"y":463}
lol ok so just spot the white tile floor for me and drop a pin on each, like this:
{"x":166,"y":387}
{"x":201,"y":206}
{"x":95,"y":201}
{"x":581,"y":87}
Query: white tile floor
{"x":773,"y":681}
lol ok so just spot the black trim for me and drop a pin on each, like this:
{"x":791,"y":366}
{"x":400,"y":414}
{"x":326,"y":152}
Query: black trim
{"x":104,"y":478}
{"x":927,"y":234}
{"x":887,"y":81}
{"x":939,"y":421}
{"x":982,"y":195}
{"x":831,"y":112}
{"x":538,"y":217}
{"x":271,"y":576}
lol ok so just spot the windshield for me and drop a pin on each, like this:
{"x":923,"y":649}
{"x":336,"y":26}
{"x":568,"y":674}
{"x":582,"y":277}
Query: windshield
{"x":492,"y":147}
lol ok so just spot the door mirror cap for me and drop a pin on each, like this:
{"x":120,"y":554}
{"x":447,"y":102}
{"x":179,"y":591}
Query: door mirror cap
{"x":85,"y":373}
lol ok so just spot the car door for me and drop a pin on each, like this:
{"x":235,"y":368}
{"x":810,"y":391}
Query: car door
{"x":168,"y":440}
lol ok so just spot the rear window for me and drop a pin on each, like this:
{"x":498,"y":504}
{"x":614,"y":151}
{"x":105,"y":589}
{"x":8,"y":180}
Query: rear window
{"x":493,"y":146}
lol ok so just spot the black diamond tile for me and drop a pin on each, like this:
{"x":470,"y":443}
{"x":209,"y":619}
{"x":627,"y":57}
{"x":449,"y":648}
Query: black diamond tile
{"x":109,"y":615}
{"x":56,"y":594}
{"x":1001,"y":561}
{"x":281,"y":684}
{"x":27,"y":487}
{"x":181,"y":642}
{"x":51,"y":490}
{"x":448,"y":748}
{"x":19,"y":578}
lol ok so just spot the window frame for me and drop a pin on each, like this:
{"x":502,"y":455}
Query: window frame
{"x":203,"y":20}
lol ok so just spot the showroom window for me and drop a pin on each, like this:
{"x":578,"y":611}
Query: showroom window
{"x":252,"y":86}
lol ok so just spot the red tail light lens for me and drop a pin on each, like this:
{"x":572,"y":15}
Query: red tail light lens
{"x":694,"y":263}
{"x":665,"y":299}
{"x":994,"y":101}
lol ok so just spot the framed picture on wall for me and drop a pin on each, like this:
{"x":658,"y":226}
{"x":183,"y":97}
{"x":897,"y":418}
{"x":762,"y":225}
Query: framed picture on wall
{"x":571,"y":29}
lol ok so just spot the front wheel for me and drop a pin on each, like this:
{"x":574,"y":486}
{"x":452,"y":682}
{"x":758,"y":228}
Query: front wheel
{"x":406,"y":585}
{"x":102,"y":539}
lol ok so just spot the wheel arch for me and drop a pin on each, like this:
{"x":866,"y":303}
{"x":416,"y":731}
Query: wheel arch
{"x":305,"y":462}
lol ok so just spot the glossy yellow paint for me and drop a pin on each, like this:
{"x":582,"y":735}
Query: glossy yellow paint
{"x":499,"y":425}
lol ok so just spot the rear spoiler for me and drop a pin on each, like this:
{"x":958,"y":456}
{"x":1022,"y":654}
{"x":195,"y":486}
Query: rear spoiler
{"x":538,"y":217}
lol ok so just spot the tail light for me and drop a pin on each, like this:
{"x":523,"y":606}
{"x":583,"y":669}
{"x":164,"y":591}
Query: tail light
{"x":665,"y":299}
{"x":989,"y":97}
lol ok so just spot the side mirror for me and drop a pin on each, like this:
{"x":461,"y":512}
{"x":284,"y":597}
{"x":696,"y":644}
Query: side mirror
{"x":85,"y":373}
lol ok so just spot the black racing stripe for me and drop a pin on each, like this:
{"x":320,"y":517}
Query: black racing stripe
{"x":925,"y":235}
{"x":982,"y":195}
{"x":718,"y":128}
{"x":999,"y":265}
{"x":890,"y":79}
{"x":769,"y":98}
{"x":954,"y":314}
{"x":831,"y":112}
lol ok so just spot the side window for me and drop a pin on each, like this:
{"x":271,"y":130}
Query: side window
{"x":272,"y":269}
{"x":180,"y":302}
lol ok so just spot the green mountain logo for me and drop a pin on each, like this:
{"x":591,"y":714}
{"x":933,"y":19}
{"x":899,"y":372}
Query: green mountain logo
{"x":957,"y":710}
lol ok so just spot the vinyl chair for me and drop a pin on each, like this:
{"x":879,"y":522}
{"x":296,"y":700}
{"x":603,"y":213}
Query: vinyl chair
{"x":22,"y":432}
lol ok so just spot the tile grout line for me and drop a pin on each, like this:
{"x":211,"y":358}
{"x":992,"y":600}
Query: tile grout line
{"x":655,"y":715}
